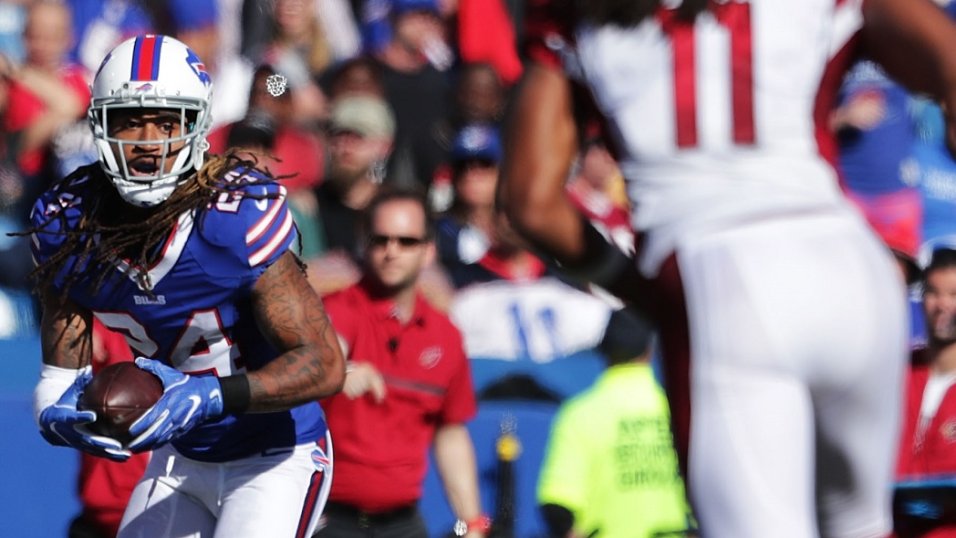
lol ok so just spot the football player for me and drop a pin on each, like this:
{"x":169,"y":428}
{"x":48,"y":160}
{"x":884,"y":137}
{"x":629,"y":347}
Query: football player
{"x":191,"y":260}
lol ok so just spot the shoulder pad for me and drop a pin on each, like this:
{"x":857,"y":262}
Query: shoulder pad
{"x":57,"y":211}
{"x":252,"y":218}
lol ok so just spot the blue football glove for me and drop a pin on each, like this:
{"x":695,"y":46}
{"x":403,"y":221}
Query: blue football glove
{"x":187,"y":401}
{"x":63,"y":424}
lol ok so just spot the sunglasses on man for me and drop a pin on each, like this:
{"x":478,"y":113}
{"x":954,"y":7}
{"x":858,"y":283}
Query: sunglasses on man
{"x":404,"y":241}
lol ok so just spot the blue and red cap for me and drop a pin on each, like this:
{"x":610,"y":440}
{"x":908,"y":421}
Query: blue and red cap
{"x":477,"y":142}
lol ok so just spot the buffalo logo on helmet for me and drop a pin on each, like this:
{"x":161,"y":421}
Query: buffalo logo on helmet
{"x":198,"y":67}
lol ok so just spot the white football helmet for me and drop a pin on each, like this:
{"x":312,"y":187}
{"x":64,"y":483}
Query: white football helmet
{"x":156,"y":72}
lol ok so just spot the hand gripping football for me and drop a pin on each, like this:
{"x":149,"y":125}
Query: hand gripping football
{"x":119,"y":394}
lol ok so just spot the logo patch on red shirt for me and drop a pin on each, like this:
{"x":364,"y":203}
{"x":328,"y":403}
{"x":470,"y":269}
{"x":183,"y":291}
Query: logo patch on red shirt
{"x":430,"y":357}
{"x":948,"y":431}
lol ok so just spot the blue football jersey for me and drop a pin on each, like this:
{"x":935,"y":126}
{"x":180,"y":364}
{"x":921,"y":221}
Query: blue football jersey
{"x":198,"y":315}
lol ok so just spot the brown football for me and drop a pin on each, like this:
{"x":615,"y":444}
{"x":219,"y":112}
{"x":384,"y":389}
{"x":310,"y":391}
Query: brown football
{"x":120,"y":393}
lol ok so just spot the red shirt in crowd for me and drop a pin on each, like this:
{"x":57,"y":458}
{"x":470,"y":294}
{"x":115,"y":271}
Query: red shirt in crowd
{"x":935,"y":454}
{"x":24,"y":107}
{"x":381,"y":449}
{"x":299,"y":156}
{"x":928,"y":451}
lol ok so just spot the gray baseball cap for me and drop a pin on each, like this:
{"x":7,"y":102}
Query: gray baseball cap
{"x":365,"y":115}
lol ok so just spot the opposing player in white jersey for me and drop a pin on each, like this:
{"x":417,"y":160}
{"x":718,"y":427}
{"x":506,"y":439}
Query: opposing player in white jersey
{"x":192,"y":263}
{"x":782,"y":317}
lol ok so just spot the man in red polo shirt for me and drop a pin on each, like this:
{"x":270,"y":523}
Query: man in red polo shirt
{"x":926,"y":469}
{"x":408,"y":387}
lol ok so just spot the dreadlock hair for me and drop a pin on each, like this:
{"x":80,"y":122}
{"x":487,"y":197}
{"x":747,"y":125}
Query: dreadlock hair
{"x":105,"y":233}
{"x":629,"y":13}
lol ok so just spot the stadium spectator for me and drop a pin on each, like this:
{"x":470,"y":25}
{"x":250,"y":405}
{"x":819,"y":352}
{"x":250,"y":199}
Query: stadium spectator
{"x":47,"y":98}
{"x":876,"y":133}
{"x":927,"y":454}
{"x":408,"y":387}
{"x":191,"y":259}
{"x":610,"y":468}
{"x":299,"y":32}
{"x":300,"y":49}
{"x":480,"y":96}
{"x":479,"y":99}
{"x":464,"y":231}
{"x":715,"y":186}
{"x":933,"y":165}
{"x":323,"y":33}
{"x":100,"y":25}
{"x":510,"y":306}
{"x":361,"y":128}
{"x":416,"y":90}
{"x":14,"y":206}
{"x":295,"y":154}
{"x":42,"y":132}
{"x":358,"y":76}
{"x":341,"y":28}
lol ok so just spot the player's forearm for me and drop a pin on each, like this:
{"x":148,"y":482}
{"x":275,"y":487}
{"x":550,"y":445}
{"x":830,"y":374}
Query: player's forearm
{"x":913,"y":40}
{"x":455,"y":461}
{"x":65,"y":332}
{"x":542,"y":143}
{"x":291,"y":316}
{"x":294,"y":378}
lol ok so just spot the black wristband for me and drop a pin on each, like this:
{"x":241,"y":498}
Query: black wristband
{"x":604,"y":261}
{"x":235,"y":394}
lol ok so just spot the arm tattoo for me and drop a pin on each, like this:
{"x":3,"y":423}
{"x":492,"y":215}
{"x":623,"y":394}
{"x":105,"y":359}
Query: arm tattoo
{"x":291,"y":316}
{"x":65,"y":332}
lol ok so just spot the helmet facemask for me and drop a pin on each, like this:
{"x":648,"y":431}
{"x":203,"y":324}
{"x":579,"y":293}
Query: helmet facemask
{"x":167,"y":77}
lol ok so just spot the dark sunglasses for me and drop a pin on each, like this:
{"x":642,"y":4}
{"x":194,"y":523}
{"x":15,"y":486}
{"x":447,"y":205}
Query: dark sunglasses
{"x":376,"y":240}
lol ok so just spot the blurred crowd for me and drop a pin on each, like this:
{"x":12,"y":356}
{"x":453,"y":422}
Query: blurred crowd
{"x":335,"y":96}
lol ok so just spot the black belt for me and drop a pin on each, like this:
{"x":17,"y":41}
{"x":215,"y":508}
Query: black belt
{"x":367,"y":519}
